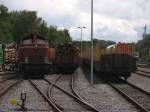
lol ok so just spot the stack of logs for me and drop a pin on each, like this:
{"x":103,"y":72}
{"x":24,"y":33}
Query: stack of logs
{"x":10,"y":55}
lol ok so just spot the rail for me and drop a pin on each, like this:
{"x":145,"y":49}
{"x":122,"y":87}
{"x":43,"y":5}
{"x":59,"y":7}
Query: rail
{"x":141,"y":74}
{"x":136,"y":98}
{"x":45,"y":97}
{"x":88,"y":106}
{"x":5,"y":90}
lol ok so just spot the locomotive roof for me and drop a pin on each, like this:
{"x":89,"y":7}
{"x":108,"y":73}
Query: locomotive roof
{"x":110,"y":46}
{"x":39,"y":37}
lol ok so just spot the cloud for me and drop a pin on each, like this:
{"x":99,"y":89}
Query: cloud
{"x":118,"y":20}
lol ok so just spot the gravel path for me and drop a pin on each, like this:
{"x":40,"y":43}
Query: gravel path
{"x":34,"y":101}
{"x":101,"y":95}
{"x":140,"y":81}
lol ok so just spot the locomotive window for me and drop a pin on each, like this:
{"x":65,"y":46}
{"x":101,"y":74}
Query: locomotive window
{"x":29,"y":41}
{"x":40,"y":41}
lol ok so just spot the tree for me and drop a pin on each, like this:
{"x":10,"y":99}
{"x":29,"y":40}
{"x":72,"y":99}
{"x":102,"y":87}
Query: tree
{"x":3,"y":12}
{"x":18,"y":24}
{"x":67,"y":35}
{"x":57,"y":37}
{"x":43,"y":29}
{"x":24,"y":23}
{"x":5,"y":25}
{"x":143,"y":44}
{"x":102,"y":43}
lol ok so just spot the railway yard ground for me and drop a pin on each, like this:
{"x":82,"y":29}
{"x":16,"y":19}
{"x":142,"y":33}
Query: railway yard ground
{"x":74,"y":93}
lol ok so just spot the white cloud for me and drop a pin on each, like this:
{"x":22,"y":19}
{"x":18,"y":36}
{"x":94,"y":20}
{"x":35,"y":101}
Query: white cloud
{"x":119,"y":20}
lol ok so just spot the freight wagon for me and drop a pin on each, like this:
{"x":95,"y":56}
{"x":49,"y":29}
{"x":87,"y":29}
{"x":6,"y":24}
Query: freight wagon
{"x":1,"y":57}
{"x":67,"y":58}
{"x":113,"y":62}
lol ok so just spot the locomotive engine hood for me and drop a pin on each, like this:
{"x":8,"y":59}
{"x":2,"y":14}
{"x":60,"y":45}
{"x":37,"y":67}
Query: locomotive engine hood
{"x":33,"y":49}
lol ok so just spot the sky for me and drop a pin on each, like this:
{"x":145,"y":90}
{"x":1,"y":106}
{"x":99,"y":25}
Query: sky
{"x":116,"y":20}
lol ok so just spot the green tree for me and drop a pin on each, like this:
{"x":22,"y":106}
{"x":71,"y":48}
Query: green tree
{"x":5,"y":25}
{"x":24,"y":23}
{"x":43,"y":29}
{"x":18,"y":24}
{"x":57,"y":37}
{"x":3,"y":12}
{"x":66,"y":35}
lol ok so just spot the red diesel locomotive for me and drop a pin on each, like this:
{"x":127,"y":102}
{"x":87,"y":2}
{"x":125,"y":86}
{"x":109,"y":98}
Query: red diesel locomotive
{"x":33,"y":52}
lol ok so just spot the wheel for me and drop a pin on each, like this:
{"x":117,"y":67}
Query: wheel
{"x":127,"y":75}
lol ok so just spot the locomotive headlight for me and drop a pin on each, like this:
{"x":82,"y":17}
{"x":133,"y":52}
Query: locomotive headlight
{"x":36,"y":45}
{"x":46,"y":60}
{"x":26,"y":59}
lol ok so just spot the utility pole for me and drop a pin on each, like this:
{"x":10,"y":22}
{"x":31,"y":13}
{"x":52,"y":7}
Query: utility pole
{"x":92,"y":42}
{"x":81,"y":43}
{"x":144,"y":34}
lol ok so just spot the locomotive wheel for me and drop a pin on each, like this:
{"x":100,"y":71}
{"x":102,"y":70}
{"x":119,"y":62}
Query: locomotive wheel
{"x":127,"y":75}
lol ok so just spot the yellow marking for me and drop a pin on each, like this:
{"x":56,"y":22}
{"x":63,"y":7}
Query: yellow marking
{"x":13,"y":102}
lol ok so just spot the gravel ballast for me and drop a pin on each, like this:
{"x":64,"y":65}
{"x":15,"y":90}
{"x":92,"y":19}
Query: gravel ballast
{"x":101,"y":95}
{"x":65,"y":101}
{"x":34,"y":101}
{"x":140,"y":81}
{"x":144,"y":69}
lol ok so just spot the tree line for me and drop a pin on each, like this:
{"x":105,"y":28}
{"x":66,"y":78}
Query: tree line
{"x":143,"y":44}
{"x":87,"y":44}
{"x":14,"y":25}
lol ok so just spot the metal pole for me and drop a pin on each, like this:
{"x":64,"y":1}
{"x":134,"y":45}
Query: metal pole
{"x":144,"y":34}
{"x":81,"y":28}
{"x":91,"y":41}
{"x":81,"y":45}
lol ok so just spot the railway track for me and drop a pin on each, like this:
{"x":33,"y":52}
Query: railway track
{"x":143,"y":62}
{"x":143,"y":66}
{"x":56,"y":107}
{"x":73,"y":90}
{"x":8,"y":78}
{"x":7,"y":73}
{"x":51,"y":103}
{"x":49,"y":92}
{"x":134,"y":94}
{"x":5,"y":88}
{"x":6,"y":83}
{"x":143,"y":73}
{"x":73,"y":95}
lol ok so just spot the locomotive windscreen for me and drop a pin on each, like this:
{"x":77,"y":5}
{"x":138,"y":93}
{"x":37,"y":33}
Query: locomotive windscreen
{"x":34,"y":39}
{"x":28,"y":41}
